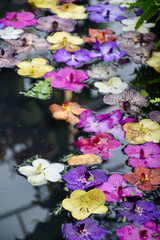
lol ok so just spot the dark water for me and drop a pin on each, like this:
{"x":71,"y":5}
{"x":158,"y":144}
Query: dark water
{"x":26,"y":129}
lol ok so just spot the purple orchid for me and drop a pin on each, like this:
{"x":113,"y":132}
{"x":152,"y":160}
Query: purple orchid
{"x":147,"y":231}
{"x":7,"y":58}
{"x":55,"y":24}
{"x":1,"y":25}
{"x":108,"y":51}
{"x":111,"y":123}
{"x":129,"y":101}
{"x":100,"y":144}
{"x":68,"y":79}
{"x":146,"y":155}
{"x":86,"y":229}
{"x":72,"y":59}
{"x":81,"y":178}
{"x":115,"y":189}
{"x":155,"y":116}
{"x":139,"y":212}
{"x":105,"y":12}
{"x":19,"y":19}
{"x":29,"y":43}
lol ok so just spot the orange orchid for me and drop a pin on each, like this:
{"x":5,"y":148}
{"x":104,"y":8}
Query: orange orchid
{"x":103,"y":36}
{"x":144,"y":178}
{"x":66,"y":112}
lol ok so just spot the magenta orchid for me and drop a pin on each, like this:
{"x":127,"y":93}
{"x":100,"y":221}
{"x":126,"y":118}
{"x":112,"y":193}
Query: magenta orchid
{"x":145,"y":155}
{"x":100,"y":144}
{"x":19,"y":19}
{"x":68,"y":79}
{"x":147,"y":231}
{"x":115,"y":189}
{"x":103,"y":123}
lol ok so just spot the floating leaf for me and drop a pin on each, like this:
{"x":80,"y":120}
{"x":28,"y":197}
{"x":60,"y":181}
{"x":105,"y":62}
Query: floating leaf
{"x":41,"y":90}
{"x":144,"y":93}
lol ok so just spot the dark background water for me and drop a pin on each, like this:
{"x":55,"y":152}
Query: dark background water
{"x":27,"y":129}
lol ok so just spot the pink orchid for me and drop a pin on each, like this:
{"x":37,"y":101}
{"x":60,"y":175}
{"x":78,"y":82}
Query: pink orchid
{"x":147,"y":231}
{"x":115,"y":189}
{"x":100,"y":144}
{"x":68,"y":79}
{"x":19,"y":19}
{"x":145,"y":155}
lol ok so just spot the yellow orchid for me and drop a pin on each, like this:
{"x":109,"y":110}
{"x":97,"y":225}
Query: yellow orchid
{"x":36,"y":68}
{"x":43,"y":3}
{"x":144,"y":131}
{"x":154,"y":61}
{"x":70,"y":10}
{"x":64,"y":40}
{"x":81,"y":204}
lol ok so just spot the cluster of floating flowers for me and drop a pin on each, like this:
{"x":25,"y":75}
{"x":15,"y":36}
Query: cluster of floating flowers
{"x":92,"y":189}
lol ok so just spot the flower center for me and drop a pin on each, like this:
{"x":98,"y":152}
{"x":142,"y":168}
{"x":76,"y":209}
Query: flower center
{"x":54,"y":26}
{"x":15,"y":18}
{"x":126,"y":106}
{"x":142,"y":156}
{"x":143,"y":234}
{"x":96,"y":141}
{"x":64,"y":42}
{"x":120,"y":191}
{"x":66,"y":8}
{"x":142,"y":129}
{"x":66,"y":106}
{"x":39,"y":168}
{"x":102,"y":36}
{"x":138,"y":210}
{"x":144,"y":178}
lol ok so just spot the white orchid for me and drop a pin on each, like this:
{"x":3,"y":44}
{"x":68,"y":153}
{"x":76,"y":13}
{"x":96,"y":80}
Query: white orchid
{"x":41,"y":172}
{"x":10,"y":33}
{"x":114,"y":85}
{"x":131,"y":23}
{"x":123,"y":3}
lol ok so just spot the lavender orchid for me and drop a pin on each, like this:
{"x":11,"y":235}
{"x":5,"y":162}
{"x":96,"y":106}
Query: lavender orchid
{"x":72,"y":59}
{"x":7,"y":58}
{"x":81,"y":178}
{"x":55,"y":24}
{"x":105,"y":12}
{"x":103,"y":123}
{"x":108,"y":51}
{"x":84,"y":230}
{"x":139,"y":212}
{"x":115,"y":189}
{"x":146,"y":155}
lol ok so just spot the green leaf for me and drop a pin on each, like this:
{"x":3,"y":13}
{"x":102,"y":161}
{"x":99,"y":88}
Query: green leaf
{"x":67,"y":158}
{"x":124,"y":219}
{"x":57,"y":210}
{"x":133,"y":192}
{"x":78,"y":234}
{"x":144,"y":93}
{"x":156,"y":235}
{"x":91,"y":179}
{"x":41,"y":90}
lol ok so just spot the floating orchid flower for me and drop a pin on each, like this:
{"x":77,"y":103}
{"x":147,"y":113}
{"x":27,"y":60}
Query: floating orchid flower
{"x":66,"y":112}
{"x":55,"y":24}
{"x":36,"y":68}
{"x":10,"y":33}
{"x":100,"y":144}
{"x":131,"y":23}
{"x":114,"y":85}
{"x":82,"y":204}
{"x":42,"y":171}
{"x":144,"y":178}
{"x":19,"y":19}
{"x":64,"y":40}
{"x":68,"y":79}
{"x":101,"y":72}
{"x":72,"y":59}
{"x":43,"y":3}
{"x":129,"y":101}
{"x":85,"y":159}
{"x":115,"y":189}
{"x":154,"y":61}
{"x":81,"y":178}
{"x":108,"y":51}
{"x":70,"y":10}
{"x":105,"y":12}
{"x":138,"y":46}
{"x":28,"y":43}
{"x":146,"y":155}
{"x":103,"y":123}
{"x":102,"y":36}
{"x":7,"y":58}
{"x":84,"y":229}
{"x":139,"y":212}
{"x":155,"y":116}
{"x":147,"y":231}
{"x":144,"y":131}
